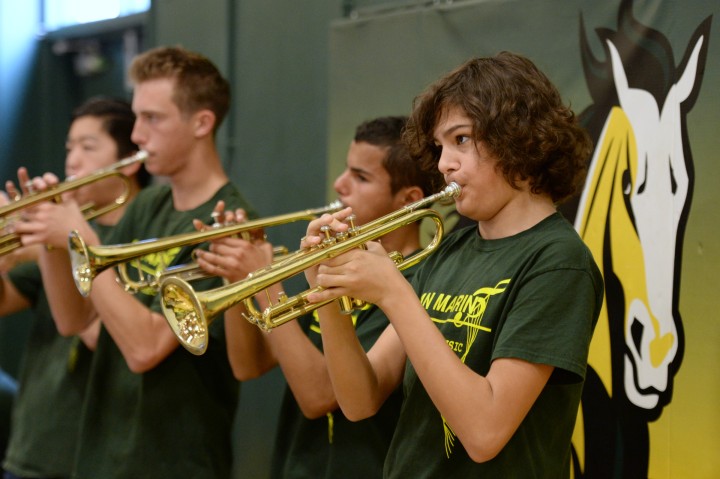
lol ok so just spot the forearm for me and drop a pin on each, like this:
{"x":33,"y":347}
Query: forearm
{"x":304,"y":368}
{"x":355,"y":382}
{"x":249,"y":353}
{"x":143,"y":336}
{"x":70,"y":310}
{"x":11,"y":300}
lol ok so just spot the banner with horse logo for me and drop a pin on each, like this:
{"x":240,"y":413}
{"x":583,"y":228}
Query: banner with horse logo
{"x":643,"y":77}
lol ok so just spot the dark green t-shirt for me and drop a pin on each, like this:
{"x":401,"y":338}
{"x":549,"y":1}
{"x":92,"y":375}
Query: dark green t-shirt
{"x":534,"y":296}
{"x":175,"y":420}
{"x":334,"y":447}
{"x":51,"y":387}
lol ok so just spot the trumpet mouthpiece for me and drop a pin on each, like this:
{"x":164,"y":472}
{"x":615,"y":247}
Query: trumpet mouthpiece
{"x":453,"y":190}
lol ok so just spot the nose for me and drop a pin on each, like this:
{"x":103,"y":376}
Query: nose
{"x":340,"y":184}
{"x":72,"y":161}
{"x":446,"y":163}
{"x":137,"y":136}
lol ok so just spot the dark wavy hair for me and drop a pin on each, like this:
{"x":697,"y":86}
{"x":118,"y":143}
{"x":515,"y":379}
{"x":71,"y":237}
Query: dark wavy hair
{"x":117,"y":120}
{"x":404,"y":170}
{"x":198,"y":83}
{"x":517,"y":113}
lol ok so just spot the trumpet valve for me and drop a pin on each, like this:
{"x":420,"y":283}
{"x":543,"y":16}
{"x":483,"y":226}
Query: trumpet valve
{"x":30,"y":187}
{"x":347,"y":304}
{"x":352,"y":228}
{"x":329,"y":238}
{"x":396,"y":256}
{"x":216,"y":219}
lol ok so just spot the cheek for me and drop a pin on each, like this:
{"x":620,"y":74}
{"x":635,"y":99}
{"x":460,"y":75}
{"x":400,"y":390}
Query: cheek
{"x":362,"y":210}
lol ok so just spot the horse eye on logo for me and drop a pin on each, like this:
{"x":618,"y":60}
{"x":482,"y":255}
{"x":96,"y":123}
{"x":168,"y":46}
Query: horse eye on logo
{"x":632,"y":214}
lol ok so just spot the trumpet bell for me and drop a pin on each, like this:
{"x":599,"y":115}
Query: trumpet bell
{"x":80,"y":259}
{"x":190,"y":324}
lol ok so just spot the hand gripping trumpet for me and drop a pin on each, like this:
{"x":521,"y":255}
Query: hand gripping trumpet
{"x":89,"y":261}
{"x":10,"y":241}
{"x":189,"y":313}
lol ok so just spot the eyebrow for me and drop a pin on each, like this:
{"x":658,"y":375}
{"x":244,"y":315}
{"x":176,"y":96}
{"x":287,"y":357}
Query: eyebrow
{"x":456,"y":127}
{"x":360,"y":171}
{"x":82,"y":138}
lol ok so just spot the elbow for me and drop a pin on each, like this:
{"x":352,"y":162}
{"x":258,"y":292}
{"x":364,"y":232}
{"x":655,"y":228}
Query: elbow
{"x":355,"y":414}
{"x":484,"y":447}
{"x":245,"y":369}
{"x":140,"y":362}
{"x":245,"y":373}
{"x":65,"y":330}
{"x":315,"y":404}
{"x":314,"y":412}
{"x":481,"y":455}
{"x":138,"y":366}
{"x":68,"y":328}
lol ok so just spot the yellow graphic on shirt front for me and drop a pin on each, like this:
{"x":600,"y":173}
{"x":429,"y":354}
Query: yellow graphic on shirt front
{"x":462,"y":311}
{"x":152,"y":265}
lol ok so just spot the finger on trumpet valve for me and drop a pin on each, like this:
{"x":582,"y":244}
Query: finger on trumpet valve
{"x":216,"y":215}
{"x":29,"y":186}
{"x":258,"y":235}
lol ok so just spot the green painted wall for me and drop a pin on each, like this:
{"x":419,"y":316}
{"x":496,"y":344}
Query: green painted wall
{"x":273,"y":142}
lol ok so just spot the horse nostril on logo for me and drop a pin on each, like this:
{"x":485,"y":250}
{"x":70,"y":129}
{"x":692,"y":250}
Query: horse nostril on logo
{"x":659,"y":348}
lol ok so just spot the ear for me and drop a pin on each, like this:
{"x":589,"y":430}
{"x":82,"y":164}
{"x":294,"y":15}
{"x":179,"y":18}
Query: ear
{"x":409,"y":194}
{"x":131,"y":169}
{"x":203,"y":123}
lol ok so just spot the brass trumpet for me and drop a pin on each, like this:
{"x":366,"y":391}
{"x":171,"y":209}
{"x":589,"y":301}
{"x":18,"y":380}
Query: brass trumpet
{"x":88,"y":261}
{"x":8,"y":213}
{"x":189,"y":313}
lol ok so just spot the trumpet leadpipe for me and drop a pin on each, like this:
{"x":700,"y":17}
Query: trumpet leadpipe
{"x":10,"y":212}
{"x":88,"y":261}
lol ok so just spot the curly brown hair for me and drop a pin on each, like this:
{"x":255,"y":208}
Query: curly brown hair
{"x":518,"y":114}
{"x":198,"y":83}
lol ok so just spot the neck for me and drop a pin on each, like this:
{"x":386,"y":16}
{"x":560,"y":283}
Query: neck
{"x":404,"y":240}
{"x":112,"y":217}
{"x":200,"y":178}
{"x":517,"y":217}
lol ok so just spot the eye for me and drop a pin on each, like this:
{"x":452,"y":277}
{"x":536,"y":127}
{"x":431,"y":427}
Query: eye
{"x":361,"y":178}
{"x":461,"y":139}
{"x":150,"y":117}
